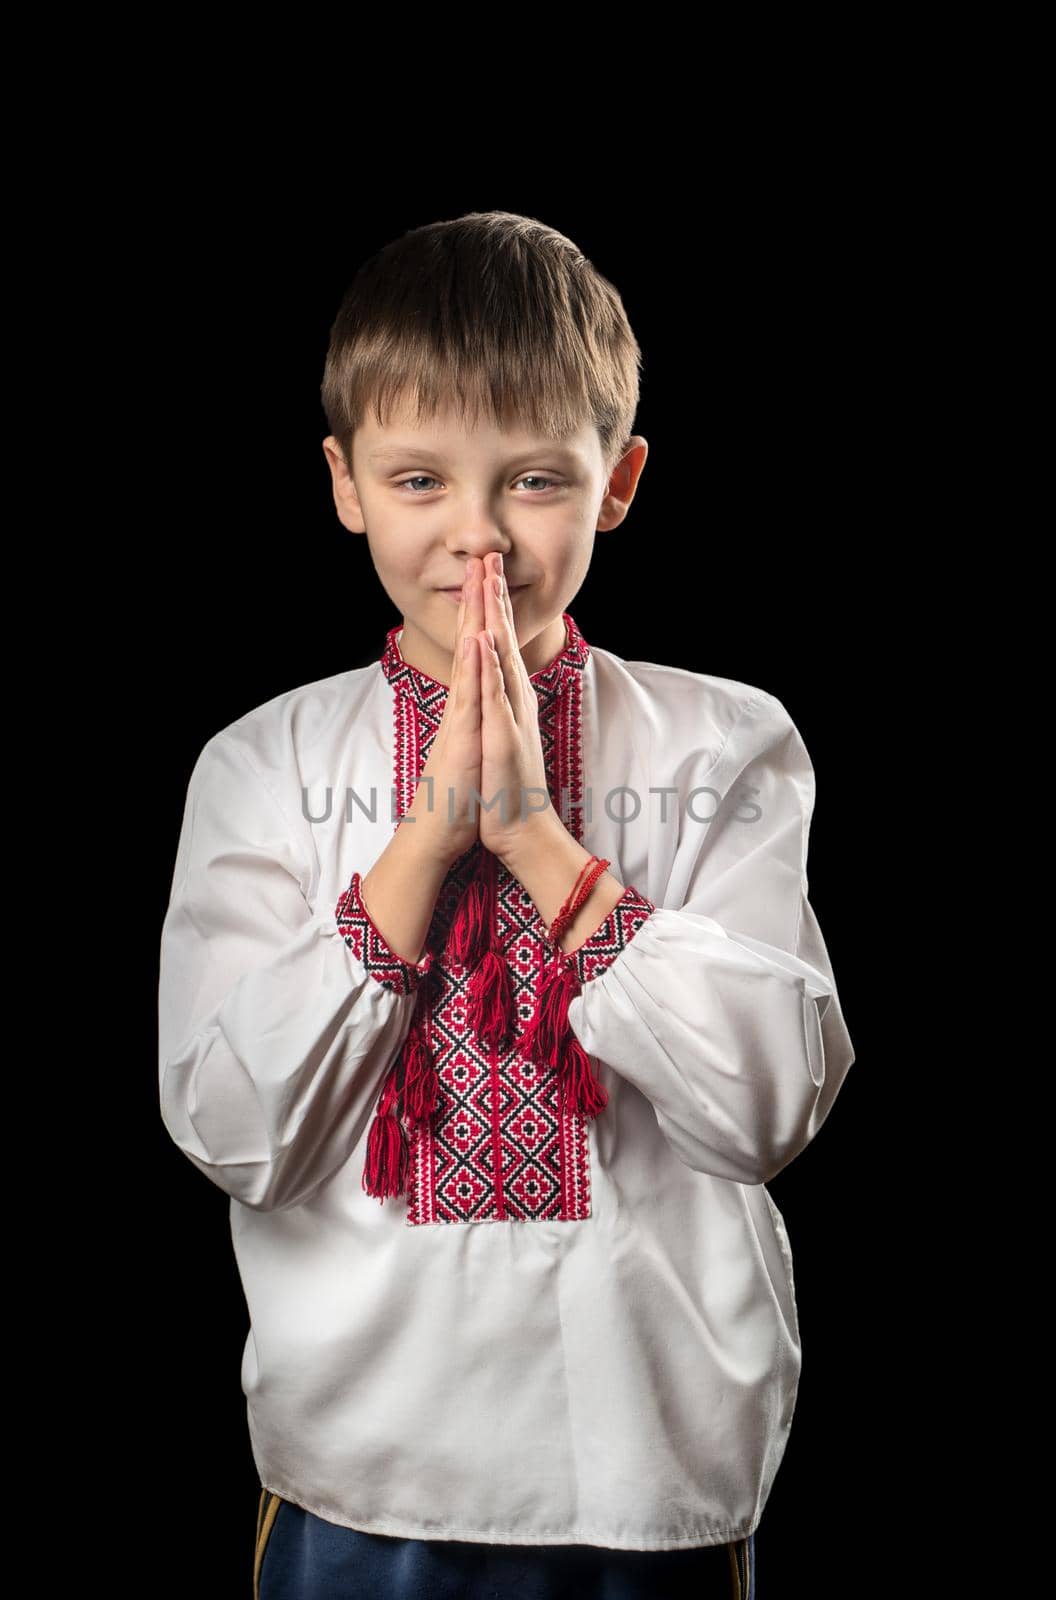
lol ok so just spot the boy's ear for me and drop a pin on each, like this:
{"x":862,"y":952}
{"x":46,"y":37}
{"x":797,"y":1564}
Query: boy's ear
{"x":623,"y":482}
{"x":346,"y":500}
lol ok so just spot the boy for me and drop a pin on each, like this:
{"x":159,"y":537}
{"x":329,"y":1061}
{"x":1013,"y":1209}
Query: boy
{"x":491,"y":994}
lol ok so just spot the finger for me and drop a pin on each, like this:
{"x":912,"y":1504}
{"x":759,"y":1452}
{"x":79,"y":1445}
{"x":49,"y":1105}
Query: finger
{"x":460,"y":634}
{"x":493,"y":684}
{"x":468,"y":610}
{"x":469,"y":693}
{"x":518,"y":673}
{"x":505,"y":638}
{"x":504,"y":597}
{"x":474,"y":595}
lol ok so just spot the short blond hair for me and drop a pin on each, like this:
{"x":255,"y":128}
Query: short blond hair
{"x":496,"y":313}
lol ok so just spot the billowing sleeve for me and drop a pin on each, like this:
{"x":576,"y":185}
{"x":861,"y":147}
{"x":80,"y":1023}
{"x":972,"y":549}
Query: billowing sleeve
{"x":276,"y":1022}
{"x":717,"y":1000}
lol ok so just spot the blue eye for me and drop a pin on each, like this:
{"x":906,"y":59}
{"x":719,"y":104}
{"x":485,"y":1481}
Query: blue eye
{"x":421,"y":477}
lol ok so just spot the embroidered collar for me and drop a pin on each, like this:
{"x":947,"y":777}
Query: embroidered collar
{"x":430,"y":695}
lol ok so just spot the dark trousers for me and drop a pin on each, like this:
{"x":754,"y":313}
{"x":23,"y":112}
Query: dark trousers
{"x":299,"y":1556}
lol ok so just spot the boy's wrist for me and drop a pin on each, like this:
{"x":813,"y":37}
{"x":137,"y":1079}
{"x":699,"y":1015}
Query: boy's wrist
{"x":546,"y":860}
{"x":426,"y":834}
{"x":541,"y":832}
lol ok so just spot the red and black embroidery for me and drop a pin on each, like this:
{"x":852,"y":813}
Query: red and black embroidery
{"x":369,"y":946}
{"x":483,"y":1114}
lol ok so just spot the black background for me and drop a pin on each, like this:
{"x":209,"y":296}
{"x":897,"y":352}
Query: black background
{"x":756,"y":548}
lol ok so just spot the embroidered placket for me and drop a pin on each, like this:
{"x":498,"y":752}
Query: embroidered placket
{"x":499,"y":1143}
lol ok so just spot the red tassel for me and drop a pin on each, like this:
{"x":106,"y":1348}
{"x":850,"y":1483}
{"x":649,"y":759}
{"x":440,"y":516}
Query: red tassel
{"x":541,"y":1039}
{"x":580,"y":1088}
{"x":385,"y":1169}
{"x":472,"y":942}
{"x":549,"y":1041}
{"x":491,"y":1007}
{"x":467,"y":937}
{"x":420,"y":1084}
{"x":387,"y":1166}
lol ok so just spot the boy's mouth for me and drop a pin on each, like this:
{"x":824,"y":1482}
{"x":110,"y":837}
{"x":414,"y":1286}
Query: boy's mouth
{"x":456,"y":594}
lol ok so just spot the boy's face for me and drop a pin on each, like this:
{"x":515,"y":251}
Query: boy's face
{"x":430,"y":497}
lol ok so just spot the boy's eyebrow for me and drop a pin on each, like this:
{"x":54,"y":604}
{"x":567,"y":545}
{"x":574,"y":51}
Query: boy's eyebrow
{"x":385,"y":452}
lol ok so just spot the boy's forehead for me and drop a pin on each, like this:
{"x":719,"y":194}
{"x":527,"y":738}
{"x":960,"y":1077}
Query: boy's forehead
{"x":453,"y":436}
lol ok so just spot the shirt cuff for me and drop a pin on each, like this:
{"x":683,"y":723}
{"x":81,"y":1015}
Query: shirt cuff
{"x":369,"y":946}
{"x":631,"y":911}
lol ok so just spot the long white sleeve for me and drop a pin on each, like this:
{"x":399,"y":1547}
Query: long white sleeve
{"x":276,"y":1023}
{"x":719,"y":1003}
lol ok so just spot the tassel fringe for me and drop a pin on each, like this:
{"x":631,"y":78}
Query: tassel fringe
{"x":491,"y":1000}
{"x":547,"y":1039}
{"x":474,"y":943}
{"x":385,"y":1170}
{"x":467,"y":938}
{"x":387,"y":1166}
{"x":420,"y":1085}
{"x":580,"y":1090}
